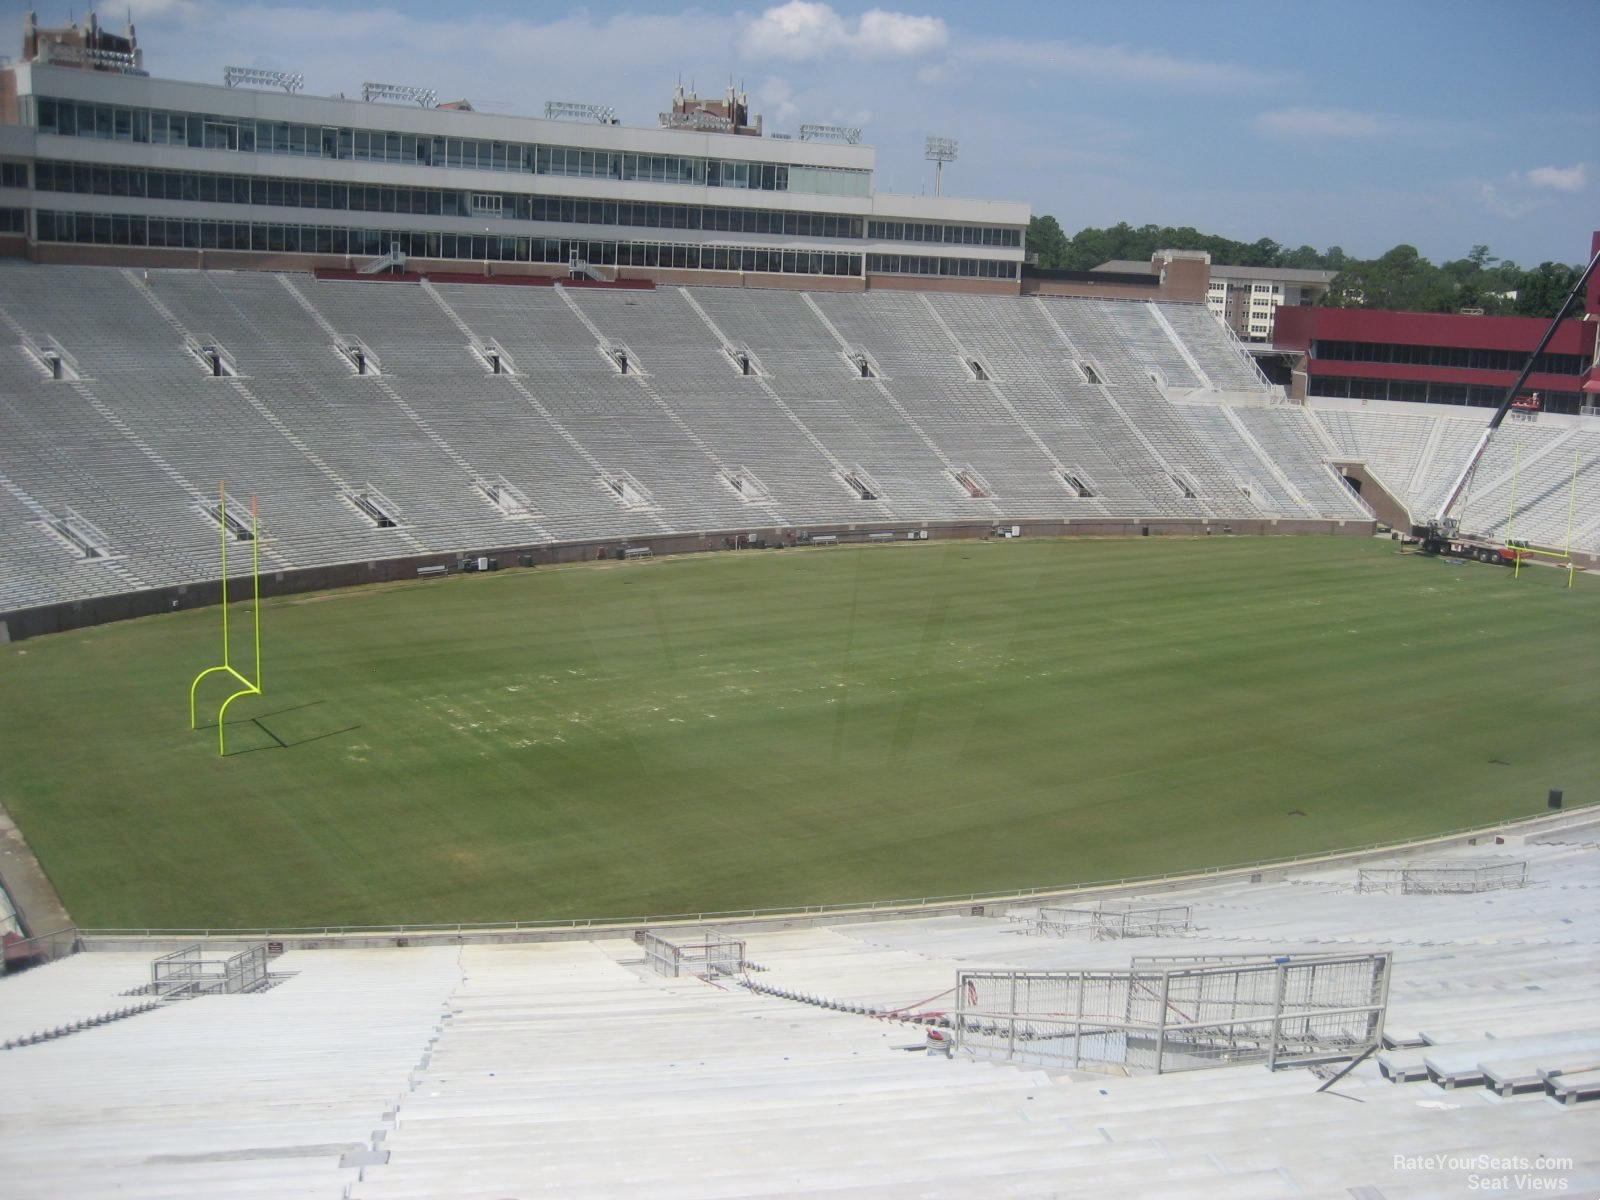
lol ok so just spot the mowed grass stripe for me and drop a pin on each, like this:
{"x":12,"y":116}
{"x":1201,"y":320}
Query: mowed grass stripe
{"x":790,"y":728}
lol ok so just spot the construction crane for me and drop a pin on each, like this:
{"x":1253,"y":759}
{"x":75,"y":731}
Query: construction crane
{"x":1442,"y":534}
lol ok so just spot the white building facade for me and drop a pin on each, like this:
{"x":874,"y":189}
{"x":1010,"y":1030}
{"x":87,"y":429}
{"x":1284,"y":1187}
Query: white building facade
{"x":1247,"y":298}
{"x":105,"y":165}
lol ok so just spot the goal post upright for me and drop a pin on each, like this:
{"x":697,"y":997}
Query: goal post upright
{"x":1518,"y":552}
{"x":1572,"y":512}
{"x":248,"y":687}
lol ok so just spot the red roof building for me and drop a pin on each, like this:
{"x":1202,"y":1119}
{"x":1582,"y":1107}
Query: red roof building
{"x":1442,"y":358}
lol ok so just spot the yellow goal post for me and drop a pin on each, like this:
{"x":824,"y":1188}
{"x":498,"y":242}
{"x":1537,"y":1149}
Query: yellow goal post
{"x":248,"y":687}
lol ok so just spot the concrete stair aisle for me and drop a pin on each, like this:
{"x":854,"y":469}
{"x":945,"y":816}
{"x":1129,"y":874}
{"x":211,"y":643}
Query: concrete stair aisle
{"x":735,"y":416}
{"x":681,"y":1066}
{"x":969,"y":419}
{"x":296,"y":371}
{"x":612,"y":416}
{"x":1268,"y":493}
{"x":806,"y":368}
{"x":1219,"y":354}
{"x":1028,"y":356}
{"x":1286,"y":435}
{"x":993,"y":431}
{"x":94,"y":313}
{"x":63,"y":453}
{"x":1143,"y":329}
{"x":1139,"y":405}
{"x":37,"y":568}
{"x":1390,"y":444}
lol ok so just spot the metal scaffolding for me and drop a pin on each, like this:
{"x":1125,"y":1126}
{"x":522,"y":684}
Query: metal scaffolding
{"x":1163,"y":1017}
{"x":193,"y":972}
{"x":701,"y":952}
{"x":1108,"y":922}
{"x":1445,"y":876}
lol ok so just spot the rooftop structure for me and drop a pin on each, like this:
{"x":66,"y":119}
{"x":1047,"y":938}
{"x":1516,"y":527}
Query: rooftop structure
{"x":731,"y":114}
{"x":1246,"y":297}
{"x":88,"y":46}
{"x":1169,"y":275}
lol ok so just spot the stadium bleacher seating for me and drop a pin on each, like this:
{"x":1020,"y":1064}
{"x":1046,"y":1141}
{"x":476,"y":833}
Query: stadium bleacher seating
{"x":978,"y":409}
{"x":1417,"y":457}
{"x":568,"y":1068}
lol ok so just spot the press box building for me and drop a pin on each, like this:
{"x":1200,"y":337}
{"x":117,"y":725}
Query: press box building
{"x":101,"y":163}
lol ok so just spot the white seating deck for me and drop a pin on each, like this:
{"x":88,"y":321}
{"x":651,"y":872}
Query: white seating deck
{"x":1215,"y":348}
{"x":245,"y":1095}
{"x":1539,"y":483}
{"x":566,"y":1069}
{"x":71,"y":989}
{"x":138,"y":444}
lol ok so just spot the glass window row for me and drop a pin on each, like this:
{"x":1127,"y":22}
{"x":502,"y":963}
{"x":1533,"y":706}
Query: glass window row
{"x":72,"y":118}
{"x":13,"y":220}
{"x":1422,"y":392}
{"x":955,"y":235}
{"x":13,"y":174}
{"x":100,"y":180}
{"x":916,"y":264}
{"x":1447,"y":356}
{"x":119,"y":230}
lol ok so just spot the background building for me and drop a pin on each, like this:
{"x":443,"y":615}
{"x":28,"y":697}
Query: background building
{"x":1244,"y":297}
{"x":1247,"y":297}
{"x":1436,"y":358}
{"x":1182,"y":275}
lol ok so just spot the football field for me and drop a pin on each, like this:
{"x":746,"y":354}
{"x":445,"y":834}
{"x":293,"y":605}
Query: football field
{"x":787,"y":728}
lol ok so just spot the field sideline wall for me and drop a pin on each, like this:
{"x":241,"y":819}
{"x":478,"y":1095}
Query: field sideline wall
{"x":753,"y":921}
{"x":20,"y":624}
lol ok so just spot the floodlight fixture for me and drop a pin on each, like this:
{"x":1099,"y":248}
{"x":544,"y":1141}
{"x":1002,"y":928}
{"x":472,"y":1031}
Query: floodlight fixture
{"x":705,"y":122}
{"x":566,"y":110}
{"x":939,"y":151}
{"x":400,"y":92}
{"x":289,"y":81}
{"x":90,"y":56}
{"x":830,"y":133}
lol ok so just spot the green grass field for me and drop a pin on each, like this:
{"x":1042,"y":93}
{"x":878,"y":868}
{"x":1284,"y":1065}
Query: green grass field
{"x":813,"y":726}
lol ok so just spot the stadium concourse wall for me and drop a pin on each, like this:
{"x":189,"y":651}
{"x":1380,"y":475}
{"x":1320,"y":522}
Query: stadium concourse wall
{"x":1510,"y":833}
{"x":21,"y":624}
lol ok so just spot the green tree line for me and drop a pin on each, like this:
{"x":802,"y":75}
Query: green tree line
{"x":1398,"y":279}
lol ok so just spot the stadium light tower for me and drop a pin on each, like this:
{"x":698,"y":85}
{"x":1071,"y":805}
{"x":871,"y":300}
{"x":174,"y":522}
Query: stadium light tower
{"x":831,"y":133}
{"x":289,"y":81}
{"x":566,"y":110}
{"x":400,"y":93}
{"x":940,"y":150}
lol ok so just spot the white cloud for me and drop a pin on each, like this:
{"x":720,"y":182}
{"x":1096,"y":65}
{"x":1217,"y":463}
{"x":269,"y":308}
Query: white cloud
{"x":899,"y":35}
{"x":806,"y":29}
{"x":777,"y":95}
{"x":485,"y":58}
{"x":1558,"y":179}
{"x":1496,"y":201}
{"x":1116,"y":63}
{"x":1323,"y":123}
{"x":1521,"y":193}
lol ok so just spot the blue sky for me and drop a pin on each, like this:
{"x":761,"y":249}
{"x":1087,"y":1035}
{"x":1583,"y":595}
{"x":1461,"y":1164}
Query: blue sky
{"x":1350,"y":123}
